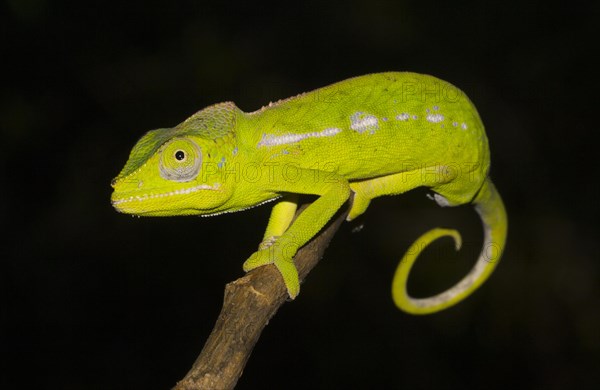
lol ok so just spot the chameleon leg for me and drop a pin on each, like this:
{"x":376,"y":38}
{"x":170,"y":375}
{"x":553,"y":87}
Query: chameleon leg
{"x":332,"y":195}
{"x":395,"y":184}
{"x":491,"y":210}
{"x":280,"y":219}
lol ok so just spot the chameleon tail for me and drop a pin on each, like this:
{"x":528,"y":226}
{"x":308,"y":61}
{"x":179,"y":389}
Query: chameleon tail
{"x":490,"y":208}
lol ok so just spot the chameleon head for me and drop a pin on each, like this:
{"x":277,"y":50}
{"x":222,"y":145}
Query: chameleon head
{"x":168,"y":177}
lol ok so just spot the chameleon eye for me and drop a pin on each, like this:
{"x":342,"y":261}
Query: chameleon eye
{"x":180,"y":160}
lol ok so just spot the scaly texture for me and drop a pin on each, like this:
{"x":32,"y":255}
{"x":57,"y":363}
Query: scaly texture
{"x":374,"y":135}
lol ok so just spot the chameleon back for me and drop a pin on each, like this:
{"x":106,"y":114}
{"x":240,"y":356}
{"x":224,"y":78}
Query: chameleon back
{"x":409,"y":121}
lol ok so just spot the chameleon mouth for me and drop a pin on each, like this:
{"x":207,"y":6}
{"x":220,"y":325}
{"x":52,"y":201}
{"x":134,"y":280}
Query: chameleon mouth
{"x":141,"y":198}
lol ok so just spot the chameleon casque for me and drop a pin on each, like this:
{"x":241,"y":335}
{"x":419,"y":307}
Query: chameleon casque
{"x":374,"y":135}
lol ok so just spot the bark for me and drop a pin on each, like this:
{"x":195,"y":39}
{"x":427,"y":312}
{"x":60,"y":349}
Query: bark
{"x":249,"y":303}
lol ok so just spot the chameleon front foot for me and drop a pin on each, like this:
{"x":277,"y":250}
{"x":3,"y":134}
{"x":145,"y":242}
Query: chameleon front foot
{"x":285,"y":265}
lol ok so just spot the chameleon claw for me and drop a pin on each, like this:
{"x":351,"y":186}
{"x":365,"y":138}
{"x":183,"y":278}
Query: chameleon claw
{"x":258,"y":259}
{"x":285,"y":265}
{"x":288,"y":271}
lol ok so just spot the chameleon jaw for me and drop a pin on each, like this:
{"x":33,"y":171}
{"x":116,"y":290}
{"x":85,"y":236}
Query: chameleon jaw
{"x":143,"y":203}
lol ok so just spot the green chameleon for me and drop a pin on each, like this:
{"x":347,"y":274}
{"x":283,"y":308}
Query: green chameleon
{"x":374,"y":135}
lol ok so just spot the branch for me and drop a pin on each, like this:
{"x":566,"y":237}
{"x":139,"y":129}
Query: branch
{"x":249,"y":304}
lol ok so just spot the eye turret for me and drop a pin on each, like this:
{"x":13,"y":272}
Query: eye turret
{"x":180,"y":160}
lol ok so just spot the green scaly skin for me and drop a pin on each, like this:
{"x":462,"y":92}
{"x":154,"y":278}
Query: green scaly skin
{"x":374,"y":135}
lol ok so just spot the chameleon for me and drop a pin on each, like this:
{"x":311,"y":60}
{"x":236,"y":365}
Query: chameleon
{"x":370,"y":136}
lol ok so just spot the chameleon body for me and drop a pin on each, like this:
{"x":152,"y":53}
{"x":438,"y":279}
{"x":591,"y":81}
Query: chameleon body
{"x":374,"y":135}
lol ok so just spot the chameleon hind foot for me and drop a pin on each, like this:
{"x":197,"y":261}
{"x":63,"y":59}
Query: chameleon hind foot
{"x":360,"y":203}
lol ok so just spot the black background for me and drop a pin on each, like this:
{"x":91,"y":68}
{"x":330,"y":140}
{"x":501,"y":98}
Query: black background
{"x":91,"y":299}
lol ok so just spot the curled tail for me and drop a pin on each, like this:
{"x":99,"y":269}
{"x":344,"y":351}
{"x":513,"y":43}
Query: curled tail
{"x":490,"y":208}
